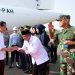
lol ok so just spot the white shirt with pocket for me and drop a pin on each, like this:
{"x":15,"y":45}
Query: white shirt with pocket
{"x":36,"y":50}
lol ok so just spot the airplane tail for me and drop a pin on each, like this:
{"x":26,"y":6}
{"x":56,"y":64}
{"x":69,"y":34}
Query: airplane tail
{"x":45,"y":4}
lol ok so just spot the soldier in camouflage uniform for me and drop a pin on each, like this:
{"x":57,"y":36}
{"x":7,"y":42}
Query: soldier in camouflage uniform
{"x":66,"y":43}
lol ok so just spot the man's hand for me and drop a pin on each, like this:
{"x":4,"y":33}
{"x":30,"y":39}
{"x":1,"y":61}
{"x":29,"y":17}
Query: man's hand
{"x":51,"y":41}
{"x":14,"y":48}
{"x":51,"y":30}
{"x":68,"y":42}
{"x":10,"y":49}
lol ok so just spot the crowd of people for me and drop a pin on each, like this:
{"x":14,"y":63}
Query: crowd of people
{"x":32,"y":48}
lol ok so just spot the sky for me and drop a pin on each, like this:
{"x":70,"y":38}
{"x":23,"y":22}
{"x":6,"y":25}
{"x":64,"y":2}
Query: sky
{"x":65,"y":7}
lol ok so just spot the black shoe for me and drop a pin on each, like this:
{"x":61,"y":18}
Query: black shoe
{"x":29,"y":72}
{"x":25,"y":68}
{"x":19,"y":67}
{"x":10,"y":67}
{"x":6,"y":63}
{"x":26,"y":71}
{"x":51,"y":61}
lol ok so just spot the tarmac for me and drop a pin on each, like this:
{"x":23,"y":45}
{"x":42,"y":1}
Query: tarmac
{"x":54,"y":70}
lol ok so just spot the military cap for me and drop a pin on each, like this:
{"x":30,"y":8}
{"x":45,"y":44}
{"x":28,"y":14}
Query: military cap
{"x":63,"y":16}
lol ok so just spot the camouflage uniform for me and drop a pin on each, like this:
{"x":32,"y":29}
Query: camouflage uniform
{"x":66,"y":34}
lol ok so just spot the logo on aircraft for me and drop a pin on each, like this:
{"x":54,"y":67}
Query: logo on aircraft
{"x":6,"y":10}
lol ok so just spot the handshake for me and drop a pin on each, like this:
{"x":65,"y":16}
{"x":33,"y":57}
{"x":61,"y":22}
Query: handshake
{"x":13,"y":48}
{"x":10,"y":49}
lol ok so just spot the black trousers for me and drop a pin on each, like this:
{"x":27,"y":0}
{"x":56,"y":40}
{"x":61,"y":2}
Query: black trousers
{"x":13,"y":54}
{"x":53,"y":54}
{"x":26,"y":62}
{"x":42,"y":69}
{"x":7,"y":57}
{"x":1,"y":67}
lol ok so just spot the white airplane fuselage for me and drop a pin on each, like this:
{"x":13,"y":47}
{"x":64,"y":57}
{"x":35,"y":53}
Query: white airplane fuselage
{"x":21,"y":16}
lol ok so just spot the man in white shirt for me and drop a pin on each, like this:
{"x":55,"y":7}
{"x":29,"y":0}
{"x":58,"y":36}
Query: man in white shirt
{"x":2,"y":46}
{"x":33,"y":46}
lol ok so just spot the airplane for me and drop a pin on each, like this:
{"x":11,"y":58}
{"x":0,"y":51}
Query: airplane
{"x":26,"y":12}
